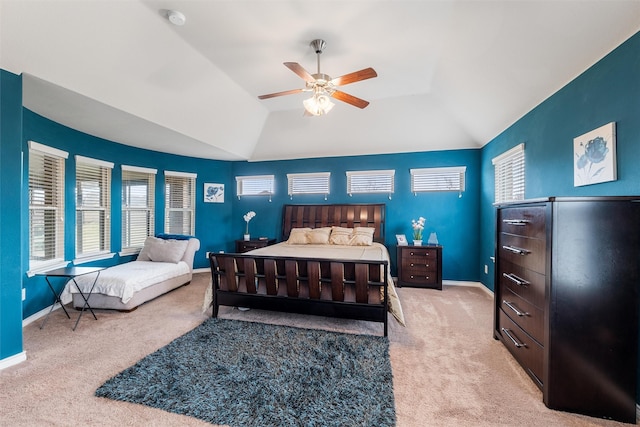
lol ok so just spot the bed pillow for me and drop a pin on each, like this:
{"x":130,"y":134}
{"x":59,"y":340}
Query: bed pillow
{"x":362,"y":236}
{"x":319,"y":236}
{"x":341,"y":236}
{"x":298,"y":236}
{"x":160,"y":250}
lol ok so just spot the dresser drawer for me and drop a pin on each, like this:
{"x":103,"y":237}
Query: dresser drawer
{"x":523,"y":313}
{"x":525,"y":283}
{"x":523,"y":251}
{"x":524,"y":221}
{"x":524,"y":348}
{"x":426,"y":278}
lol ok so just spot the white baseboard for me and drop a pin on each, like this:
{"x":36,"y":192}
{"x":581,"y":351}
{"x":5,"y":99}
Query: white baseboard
{"x":66,"y":299}
{"x":202,"y":270}
{"x":471,"y":284}
{"x":13,"y":360}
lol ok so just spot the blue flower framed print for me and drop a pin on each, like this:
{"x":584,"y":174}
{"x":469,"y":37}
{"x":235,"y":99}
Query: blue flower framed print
{"x":594,"y":156}
{"x":214,"y":193}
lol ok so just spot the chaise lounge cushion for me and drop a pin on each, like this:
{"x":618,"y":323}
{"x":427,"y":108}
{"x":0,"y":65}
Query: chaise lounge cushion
{"x":160,"y":250}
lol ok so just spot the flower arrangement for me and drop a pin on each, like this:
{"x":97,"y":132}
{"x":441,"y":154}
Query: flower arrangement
{"x":418,"y":227}
{"x":248,"y":217}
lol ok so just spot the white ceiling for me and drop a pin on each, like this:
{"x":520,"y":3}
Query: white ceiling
{"x":451,"y":74}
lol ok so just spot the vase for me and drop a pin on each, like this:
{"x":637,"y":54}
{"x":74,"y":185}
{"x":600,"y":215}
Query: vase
{"x":417,"y":243}
{"x":247,"y":237}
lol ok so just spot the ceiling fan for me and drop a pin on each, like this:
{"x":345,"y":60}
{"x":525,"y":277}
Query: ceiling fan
{"x":323,"y":86}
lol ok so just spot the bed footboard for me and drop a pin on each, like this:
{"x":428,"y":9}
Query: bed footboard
{"x":353,"y":289}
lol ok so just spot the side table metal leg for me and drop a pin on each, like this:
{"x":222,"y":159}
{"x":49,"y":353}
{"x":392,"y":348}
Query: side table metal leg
{"x":86,"y":300}
{"x":57,"y":300}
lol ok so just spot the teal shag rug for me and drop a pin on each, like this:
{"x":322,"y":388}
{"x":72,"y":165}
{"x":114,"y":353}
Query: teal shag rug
{"x":251,"y":374}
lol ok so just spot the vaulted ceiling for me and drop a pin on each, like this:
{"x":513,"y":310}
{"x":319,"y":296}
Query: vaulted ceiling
{"x":451,"y":74}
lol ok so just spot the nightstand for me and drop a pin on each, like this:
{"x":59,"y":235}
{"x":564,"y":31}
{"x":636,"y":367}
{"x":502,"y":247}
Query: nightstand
{"x":249,"y":245}
{"x":420,"y":266}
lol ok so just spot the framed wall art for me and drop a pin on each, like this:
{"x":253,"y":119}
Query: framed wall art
{"x":594,"y":156}
{"x":213,"y":193}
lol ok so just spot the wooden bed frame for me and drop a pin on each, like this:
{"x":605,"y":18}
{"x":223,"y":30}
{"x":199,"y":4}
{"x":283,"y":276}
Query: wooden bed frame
{"x":319,"y":286}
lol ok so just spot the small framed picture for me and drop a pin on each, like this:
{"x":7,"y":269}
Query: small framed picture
{"x":213,"y":193}
{"x":402,"y":239}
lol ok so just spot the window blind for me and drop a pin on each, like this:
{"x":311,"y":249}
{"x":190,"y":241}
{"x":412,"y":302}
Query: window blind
{"x":509,"y":175}
{"x":308,"y":183}
{"x":138,"y":206}
{"x":180,"y":200}
{"x":373,"y":181}
{"x":257,"y":185}
{"x":46,"y":205}
{"x":93,"y":206}
{"x":438,"y":179}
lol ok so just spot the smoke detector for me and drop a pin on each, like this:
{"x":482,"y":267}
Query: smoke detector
{"x":176,"y":18}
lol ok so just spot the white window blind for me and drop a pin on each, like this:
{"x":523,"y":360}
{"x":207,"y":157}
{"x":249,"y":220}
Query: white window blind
{"x":509,"y":175}
{"x":180,"y":202}
{"x":373,"y":181}
{"x":257,"y":185}
{"x":438,"y":179}
{"x":138,"y":205}
{"x":308,"y":183}
{"x":93,"y":207}
{"x":46,"y":205}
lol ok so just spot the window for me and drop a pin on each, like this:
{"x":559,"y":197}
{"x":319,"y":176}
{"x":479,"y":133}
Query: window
{"x":258,"y":185}
{"x":438,"y":179}
{"x":180,"y":202}
{"x":138,"y":204}
{"x":309,"y":183}
{"x":93,"y":207}
{"x":380,"y":181}
{"x":46,"y":206}
{"x":509,"y":175}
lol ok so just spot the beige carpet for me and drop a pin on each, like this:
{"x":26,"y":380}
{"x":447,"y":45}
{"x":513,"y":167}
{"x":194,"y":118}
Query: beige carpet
{"x":448,"y":370}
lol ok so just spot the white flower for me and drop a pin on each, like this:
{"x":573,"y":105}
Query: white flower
{"x":249,"y":215}
{"x":418,"y":226}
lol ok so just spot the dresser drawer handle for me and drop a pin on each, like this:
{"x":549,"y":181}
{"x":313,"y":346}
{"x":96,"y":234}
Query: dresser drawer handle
{"x":514,"y":308}
{"x":515,"y":250}
{"x":515,"y":279}
{"x":515,"y":342}
{"x":516,"y":221}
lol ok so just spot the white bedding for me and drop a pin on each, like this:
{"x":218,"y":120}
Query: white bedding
{"x":375,"y":252}
{"x":124,"y":280}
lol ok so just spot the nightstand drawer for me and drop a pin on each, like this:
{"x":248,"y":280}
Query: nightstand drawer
{"x":249,"y":245}
{"x":418,"y":278}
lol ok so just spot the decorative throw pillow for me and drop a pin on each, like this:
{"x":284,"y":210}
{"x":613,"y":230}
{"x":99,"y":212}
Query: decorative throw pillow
{"x":341,"y":236}
{"x":160,"y":250}
{"x":362,"y":236}
{"x":319,"y":236}
{"x":298,"y":236}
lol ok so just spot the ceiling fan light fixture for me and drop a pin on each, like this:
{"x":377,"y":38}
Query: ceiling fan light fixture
{"x":319,"y":104}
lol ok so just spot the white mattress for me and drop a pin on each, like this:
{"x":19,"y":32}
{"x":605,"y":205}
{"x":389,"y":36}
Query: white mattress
{"x":124,"y":280}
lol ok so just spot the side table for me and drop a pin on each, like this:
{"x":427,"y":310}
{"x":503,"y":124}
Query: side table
{"x":71,"y":273}
{"x":420,"y":266}
{"x":249,"y":245}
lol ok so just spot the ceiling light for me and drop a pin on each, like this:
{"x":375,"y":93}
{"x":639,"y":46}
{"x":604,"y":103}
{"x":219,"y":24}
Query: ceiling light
{"x":176,"y":18}
{"x":319,"y":104}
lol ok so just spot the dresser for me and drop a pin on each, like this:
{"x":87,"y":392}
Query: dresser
{"x":249,"y":245}
{"x":566,"y":299}
{"x":420,"y":266}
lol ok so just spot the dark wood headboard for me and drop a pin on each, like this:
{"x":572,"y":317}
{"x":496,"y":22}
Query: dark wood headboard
{"x":352,"y":215}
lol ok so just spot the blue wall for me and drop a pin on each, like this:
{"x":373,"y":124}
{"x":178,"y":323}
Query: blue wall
{"x":607,"y":92}
{"x":11,"y":218}
{"x":211,"y":218}
{"x":454,"y":219}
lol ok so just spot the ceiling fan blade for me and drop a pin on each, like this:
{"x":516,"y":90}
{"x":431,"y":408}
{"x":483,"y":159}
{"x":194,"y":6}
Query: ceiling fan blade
{"x":286,"y":92}
{"x":297,"y":68}
{"x":356,"y":76}
{"x":349,"y":99}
